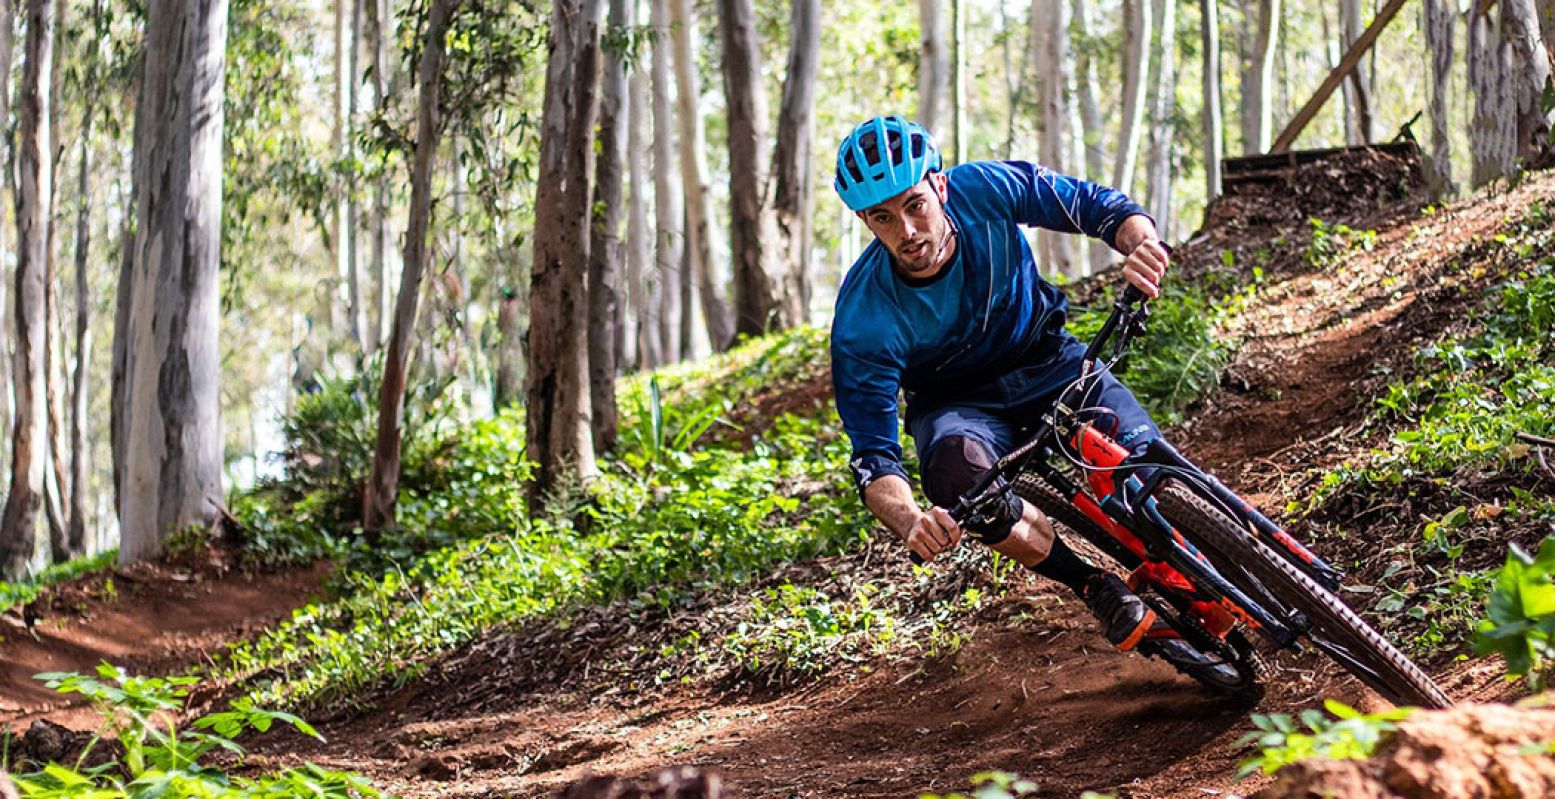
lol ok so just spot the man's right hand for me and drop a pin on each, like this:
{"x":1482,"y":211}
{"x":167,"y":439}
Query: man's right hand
{"x":933,"y":532}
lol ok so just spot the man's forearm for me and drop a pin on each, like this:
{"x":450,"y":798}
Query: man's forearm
{"x":1134,"y":231}
{"x":890,"y":498}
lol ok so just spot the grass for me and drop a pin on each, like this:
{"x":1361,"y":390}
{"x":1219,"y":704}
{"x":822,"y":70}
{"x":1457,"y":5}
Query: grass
{"x":24,"y":591}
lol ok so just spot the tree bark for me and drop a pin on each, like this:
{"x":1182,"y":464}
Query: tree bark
{"x":933,"y":65}
{"x":1136,"y":57}
{"x":1213,"y":123}
{"x":605,"y":247}
{"x":1486,"y":140}
{"x":700,"y":225}
{"x":76,"y":537}
{"x":642,"y":284}
{"x":7,"y":48}
{"x":758,"y":304}
{"x":1163,"y":107}
{"x":355,"y":293}
{"x":558,"y":407}
{"x":1357,"y":88}
{"x":1057,"y":60}
{"x":668,"y":210}
{"x":382,"y":488}
{"x":1526,"y":65}
{"x":1439,"y":27}
{"x":958,"y":121}
{"x":791,"y":158}
{"x":19,"y":522}
{"x":1090,"y":120}
{"x":1258,"y":81}
{"x":379,"y":30}
{"x":173,"y":442}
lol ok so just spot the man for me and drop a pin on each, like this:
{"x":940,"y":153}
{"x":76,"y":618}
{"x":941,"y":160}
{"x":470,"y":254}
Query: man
{"x":948,"y":306}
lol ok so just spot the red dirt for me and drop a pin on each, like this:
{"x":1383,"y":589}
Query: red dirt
{"x":153,"y":619}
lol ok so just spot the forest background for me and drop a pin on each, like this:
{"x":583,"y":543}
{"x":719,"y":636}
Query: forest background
{"x":472,"y":189}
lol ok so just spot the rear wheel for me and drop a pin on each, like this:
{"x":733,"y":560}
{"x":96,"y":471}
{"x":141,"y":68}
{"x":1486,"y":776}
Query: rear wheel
{"x":1330,"y":624}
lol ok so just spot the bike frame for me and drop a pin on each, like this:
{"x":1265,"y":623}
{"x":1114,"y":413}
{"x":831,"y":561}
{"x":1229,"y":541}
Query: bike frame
{"x":1124,"y":507}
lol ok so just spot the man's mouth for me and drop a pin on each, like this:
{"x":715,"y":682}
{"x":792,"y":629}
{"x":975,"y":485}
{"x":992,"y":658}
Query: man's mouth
{"x":915,"y":250}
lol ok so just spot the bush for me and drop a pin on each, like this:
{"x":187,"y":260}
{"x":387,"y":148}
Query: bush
{"x":1521,"y":622}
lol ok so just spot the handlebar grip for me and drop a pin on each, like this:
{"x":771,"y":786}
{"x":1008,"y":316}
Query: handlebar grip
{"x":1132,"y":295}
{"x":917,"y":560}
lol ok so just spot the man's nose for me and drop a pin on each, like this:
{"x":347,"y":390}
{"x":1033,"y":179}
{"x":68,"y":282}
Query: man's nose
{"x":908,"y":228}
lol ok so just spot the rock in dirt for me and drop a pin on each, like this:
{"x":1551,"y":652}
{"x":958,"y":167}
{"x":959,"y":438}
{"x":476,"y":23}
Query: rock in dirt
{"x":1469,"y":752}
{"x":682,"y":782}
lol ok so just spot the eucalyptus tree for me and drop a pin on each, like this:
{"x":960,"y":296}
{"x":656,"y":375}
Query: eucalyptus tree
{"x":19,"y":522}
{"x":1091,"y":131}
{"x":1359,"y":128}
{"x":557,"y":421}
{"x":1526,"y":66}
{"x":172,"y":474}
{"x":642,"y":285}
{"x":1257,"y":101}
{"x":933,"y":64}
{"x":792,"y":202}
{"x":1210,"y":112}
{"x":7,"y":49}
{"x":605,"y":246}
{"x":1163,"y":111}
{"x":700,"y":224}
{"x":1136,"y":71}
{"x":89,"y":84}
{"x":669,"y":213}
{"x":382,"y":487}
{"x":1440,"y":25}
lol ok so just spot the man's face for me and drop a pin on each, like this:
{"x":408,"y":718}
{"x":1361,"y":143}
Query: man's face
{"x":914,"y":227}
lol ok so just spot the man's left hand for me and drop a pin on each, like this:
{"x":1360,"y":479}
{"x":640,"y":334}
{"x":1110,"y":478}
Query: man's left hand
{"x":1146,"y":266}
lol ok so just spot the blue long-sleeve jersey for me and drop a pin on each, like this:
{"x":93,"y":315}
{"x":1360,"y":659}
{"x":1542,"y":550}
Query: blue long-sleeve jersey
{"x":988,"y":311}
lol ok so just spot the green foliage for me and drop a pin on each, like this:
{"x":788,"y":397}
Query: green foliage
{"x":1349,"y":735}
{"x":662,"y":520}
{"x":797,"y":629}
{"x":160,"y":759}
{"x":1331,"y":243}
{"x":997,"y":785}
{"x":1521,"y":622}
{"x":24,"y":591}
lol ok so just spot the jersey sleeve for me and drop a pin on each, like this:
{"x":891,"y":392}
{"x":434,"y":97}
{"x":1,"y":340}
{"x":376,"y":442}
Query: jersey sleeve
{"x":1033,"y":195}
{"x":866,"y":383}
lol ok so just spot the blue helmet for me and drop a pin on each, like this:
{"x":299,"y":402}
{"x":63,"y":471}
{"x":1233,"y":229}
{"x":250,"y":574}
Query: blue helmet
{"x":868,"y":174}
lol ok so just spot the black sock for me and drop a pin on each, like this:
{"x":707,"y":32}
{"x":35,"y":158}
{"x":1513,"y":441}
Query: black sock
{"x":1062,"y":565}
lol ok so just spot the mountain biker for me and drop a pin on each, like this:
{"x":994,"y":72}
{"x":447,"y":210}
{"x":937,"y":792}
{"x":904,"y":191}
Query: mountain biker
{"x":947,"y":306}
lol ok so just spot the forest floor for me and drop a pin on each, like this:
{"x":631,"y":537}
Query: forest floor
{"x":1032,"y":691}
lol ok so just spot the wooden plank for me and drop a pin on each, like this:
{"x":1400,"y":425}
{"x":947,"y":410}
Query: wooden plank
{"x":1346,"y":65}
{"x":1268,"y":167}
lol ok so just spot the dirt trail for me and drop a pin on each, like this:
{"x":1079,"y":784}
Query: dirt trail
{"x":154,"y":619}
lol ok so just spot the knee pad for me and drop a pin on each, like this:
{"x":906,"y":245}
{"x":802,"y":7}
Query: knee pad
{"x":951,"y":467}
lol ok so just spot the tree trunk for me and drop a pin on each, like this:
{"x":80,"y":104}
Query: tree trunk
{"x":1357,"y":89}
{"x":668,"y":211}
{"x":1136,"y":57}
{"x":758,"y":301}
{"x":1214,"y":126}
{"x":1258,"y":82}
{"x":355,"y":293}
{"x":1526,"y":67}
{"x":173,"y":442}
{"x":19,"y":522}
{"x":1163,"y":108}
{"x":382,"y":488}
{"x":1485,"y":138}
{"x":1439,"y":27}
{"x":558,"y":405}
{"x":933,"y":65}
{"x":511,"y":352}
{"x":605,"y":253}
{"x":377,"y":310}
{"x":1057,"y":62}
{"x":78,"y":397}
{"x":791,"y":158}
{"x":55,"y":482}
{"x":7,"y":48}
{"x":958,"y":119}
{"x":642,"y":284}
{"x":700,"y":229}
{"x":1091,"y":120}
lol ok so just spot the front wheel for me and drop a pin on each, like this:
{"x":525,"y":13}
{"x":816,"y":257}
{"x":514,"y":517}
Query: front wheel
{"x":1330,"y":624}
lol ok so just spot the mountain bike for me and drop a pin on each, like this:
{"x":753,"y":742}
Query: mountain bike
{"x":1207,"y":562}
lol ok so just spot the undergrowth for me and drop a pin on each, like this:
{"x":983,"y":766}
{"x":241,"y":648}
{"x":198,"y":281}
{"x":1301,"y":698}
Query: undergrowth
{"x":1451,"y":438}
{"x":23,"y":591}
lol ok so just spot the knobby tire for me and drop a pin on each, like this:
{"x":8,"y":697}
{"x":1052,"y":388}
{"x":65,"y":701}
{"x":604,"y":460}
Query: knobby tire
{"x":1334,"y":627}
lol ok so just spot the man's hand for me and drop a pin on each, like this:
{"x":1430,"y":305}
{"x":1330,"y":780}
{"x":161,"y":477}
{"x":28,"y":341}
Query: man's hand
{"x":1145,"y":267}
{"x":933,"y":533}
